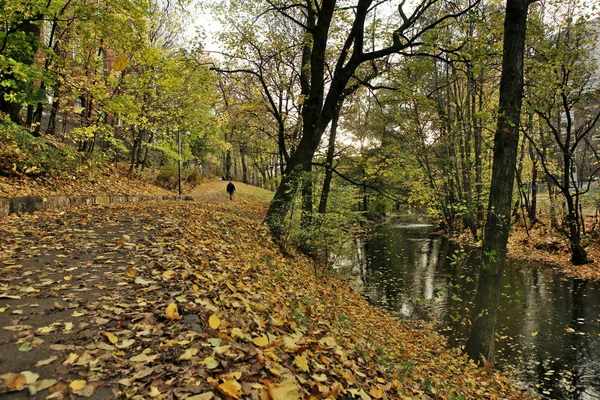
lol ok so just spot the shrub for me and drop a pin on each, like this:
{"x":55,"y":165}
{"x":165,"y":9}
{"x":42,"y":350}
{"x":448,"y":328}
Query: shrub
{"x":23,"y":154}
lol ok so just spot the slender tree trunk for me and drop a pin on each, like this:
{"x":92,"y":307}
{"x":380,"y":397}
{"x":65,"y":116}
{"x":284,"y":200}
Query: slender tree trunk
{"x":478,"y":133}
{"x":145,"y":160}
{"x":244,"y":166}
{"x":533,"y":206}
{"x":307,"y":196}
{"x":228,"y":164}
{"x":578,"y":253}
{"x":51,"y":129}
{"x":328,"y":166}
{"x":506,"y":140}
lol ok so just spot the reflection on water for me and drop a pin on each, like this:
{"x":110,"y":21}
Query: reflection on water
{"x":548,"y":325}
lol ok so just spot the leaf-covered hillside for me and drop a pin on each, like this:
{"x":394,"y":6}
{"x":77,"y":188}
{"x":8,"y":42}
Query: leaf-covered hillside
{"x":193,"y":300}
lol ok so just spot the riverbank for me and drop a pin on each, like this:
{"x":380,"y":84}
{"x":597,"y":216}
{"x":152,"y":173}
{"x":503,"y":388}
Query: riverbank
{"x":542,"y":247}
{"x":193,"y":300}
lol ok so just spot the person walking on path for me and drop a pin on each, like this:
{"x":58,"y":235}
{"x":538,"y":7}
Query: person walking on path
{"x":230,"y":190}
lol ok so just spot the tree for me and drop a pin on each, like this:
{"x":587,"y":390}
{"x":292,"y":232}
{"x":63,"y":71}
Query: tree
{"x":324,"y":87}
{"x":19,"y":43}
{"x":564,"y":97}
{"x":506,"y":139}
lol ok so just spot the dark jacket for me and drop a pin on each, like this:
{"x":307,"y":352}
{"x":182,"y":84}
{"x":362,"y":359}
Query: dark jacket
{"x":230,"y":187}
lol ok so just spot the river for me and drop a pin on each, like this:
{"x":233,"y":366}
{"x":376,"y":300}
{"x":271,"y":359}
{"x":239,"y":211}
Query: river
{"x":548,"y":330}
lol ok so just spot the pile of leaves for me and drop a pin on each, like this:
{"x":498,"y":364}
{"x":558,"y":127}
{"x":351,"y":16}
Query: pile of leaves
{"x":192,"y":300}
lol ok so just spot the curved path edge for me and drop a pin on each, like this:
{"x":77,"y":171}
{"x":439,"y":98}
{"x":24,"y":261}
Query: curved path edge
{"x":29,"y":204}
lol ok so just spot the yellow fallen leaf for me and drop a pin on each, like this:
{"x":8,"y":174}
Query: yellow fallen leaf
{"x":46,"y":361}
{"x":45,"y":329}
{"x":71,"y":359}
{"x":210,"y":363}
{"x":68,"y":326}
{"x":261,"y":341}
{"x":214,"y":321}
{"x":290,"y":344}
{"x":168,"y":274}
{"x":328,"y":341}
{"x":231,"y":388}
{"x":77,"y":313}
{"x":172,"y":313}
{"x":77,"y":385}
{"x":188,"y":354}
{"x":111,"y":337}
{"x":534,"y":333}
{"x":301,"y":362}
{"x":286,"y":390}
{"x":154,"y":392}
{"x":231,"y":287}
{"x":203,"y":396}
{"x":377,"y":392}
{"x":68,"y":277}
{"x":131,"y":273}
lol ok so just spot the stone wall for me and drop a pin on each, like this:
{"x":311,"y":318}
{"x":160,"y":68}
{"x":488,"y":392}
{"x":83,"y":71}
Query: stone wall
{"x":30,"y":204}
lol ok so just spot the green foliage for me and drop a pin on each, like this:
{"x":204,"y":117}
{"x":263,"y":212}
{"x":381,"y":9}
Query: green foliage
{"x":327,"y":237}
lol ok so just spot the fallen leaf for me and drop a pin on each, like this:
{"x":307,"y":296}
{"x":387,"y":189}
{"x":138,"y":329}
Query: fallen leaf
{"x":71,"y":359}
{"x":286,"y":390}
{"x":231,"y":387}
{"x":210,"y":363}
{"x":154,"y":392}
{"x":188,"y":354}
{"x":377,"y":392}
{"x":301,"y":362}
{"x":214,"y":321}
{"x":46,"y":361}
{"x":126,"y":343}
{"x":25,"y":347}
{"x":203,"y":396}
{"x":168,"y":274}
{"x":261,"y":341}
{"x":78,"y":384}
{"x":172,"y":312}
{"x":46,"y":329}
{"x":15,"y":381}
{"x":111,"y":337}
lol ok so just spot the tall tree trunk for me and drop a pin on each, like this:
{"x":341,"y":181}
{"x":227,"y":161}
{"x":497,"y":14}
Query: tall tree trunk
{"x":329,"y":165}
{"x":478,"y":133}
{"x":307,"y":196}
{"x":228,"y":164}
{"x":51,"y":129}
{"x":506,"y":140}
{"x":578,"y":253}
{"x":533,"y":206}
{"x":244,"y":166}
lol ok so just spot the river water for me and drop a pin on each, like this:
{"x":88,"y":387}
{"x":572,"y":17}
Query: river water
{"x":548,"y":325}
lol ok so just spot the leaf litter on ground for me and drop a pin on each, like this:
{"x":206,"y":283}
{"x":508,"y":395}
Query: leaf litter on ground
{"x":194,"y":300}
